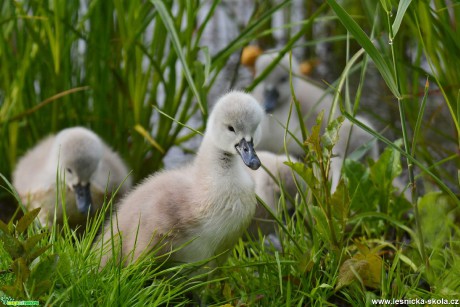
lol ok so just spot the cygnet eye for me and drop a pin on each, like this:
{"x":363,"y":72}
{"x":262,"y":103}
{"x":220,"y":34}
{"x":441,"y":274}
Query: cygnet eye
{"x":230,"y":128}
{"x":69,"y":170}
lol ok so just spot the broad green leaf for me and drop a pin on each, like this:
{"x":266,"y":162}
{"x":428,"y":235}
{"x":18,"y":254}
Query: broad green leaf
{"x":12,"y":245}
{"x":340,"y":202}
{"x":435,"y":207}
{"x":41,"y":287}
{"x":26,"y":220}
{"x":384,"y":67}
{"x":31,"y":257}
{"x":45,"y":268}
{"x":30,"y":243}
{"x":402,"y":7}
{"x":386,"y":168}
{"x":399,"y":207}
{"x":321,"y":225}
{"x":373,"y":275}
{"x":361,"y":189}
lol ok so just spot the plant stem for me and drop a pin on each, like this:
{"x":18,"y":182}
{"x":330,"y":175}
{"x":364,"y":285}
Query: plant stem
{"x":410,"y":165}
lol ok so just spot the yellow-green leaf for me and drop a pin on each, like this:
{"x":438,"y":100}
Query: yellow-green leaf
{"x":364,"y":268}
{"x":26,"y":220}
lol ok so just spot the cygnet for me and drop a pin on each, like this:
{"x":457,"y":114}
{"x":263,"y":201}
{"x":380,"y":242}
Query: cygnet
{"x":72,"y":169}
{"x":274,"y":93}
{"x":200,"y":210}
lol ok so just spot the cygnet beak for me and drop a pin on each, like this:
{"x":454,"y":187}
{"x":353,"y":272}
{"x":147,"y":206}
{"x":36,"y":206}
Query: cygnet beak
{"x":83,"y":197}
{"x":248,"y":154}
{"x":270,"y":98}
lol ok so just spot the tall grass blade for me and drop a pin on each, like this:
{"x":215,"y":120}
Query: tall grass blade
{"x":382,"y":65}
{"x":169,"y":24}
{"x":402,"y":8}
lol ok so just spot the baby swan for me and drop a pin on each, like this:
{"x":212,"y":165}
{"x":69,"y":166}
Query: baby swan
{"x":86,"y":167}
{"x":203,"y":207}
{"x":275,"y":95}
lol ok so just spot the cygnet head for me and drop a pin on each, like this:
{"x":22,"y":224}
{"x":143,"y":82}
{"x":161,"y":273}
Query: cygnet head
{"x":234,"y":126}
{"x":276,"y":90}
{"x":79,"y":152}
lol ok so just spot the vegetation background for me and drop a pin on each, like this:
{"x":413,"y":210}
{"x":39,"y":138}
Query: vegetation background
{"x":136,"y":71}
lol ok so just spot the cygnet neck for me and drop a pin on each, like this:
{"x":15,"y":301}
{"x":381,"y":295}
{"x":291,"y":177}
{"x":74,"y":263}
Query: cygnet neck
{"x":212,"y":159}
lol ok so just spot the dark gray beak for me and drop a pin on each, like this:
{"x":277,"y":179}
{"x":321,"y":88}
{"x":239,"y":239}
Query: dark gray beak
{"x":248,"y":154}
{"x":83,"y":197}
{"x":270,"y":99}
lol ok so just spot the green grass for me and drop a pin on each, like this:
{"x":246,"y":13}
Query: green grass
{"x":363,"y":242}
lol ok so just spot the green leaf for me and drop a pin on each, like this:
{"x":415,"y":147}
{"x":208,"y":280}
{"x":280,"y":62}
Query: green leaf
{"x":402,"y":7}
{"x":384,"y":67}
{"x":21,"y":271}
{"x":400,"y":207}
{"x":41,"y":288}
{"x":386,"y":4}
{"x":169,"y":24}
{"x":30,"y":243}
{"x":340,"y":202}
{"x":350,"y":271}
{"x":435,"y":207}
{"x":4,"y":227}
{"x":26,"y":220}
{"x":331,"y":135}
{"x":314,"y":140}
{"x":361,"y":188}
{"x":12,"y":245}
{"x":386,"y":168}
{"x":367,"y":268}
{"x":37,"y":252}
{"x":382,"y":216}
{"x":304,"y":172}
{"x":321,"y":224}
{"x":396,"y":146}
{"x":45,"y":269}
